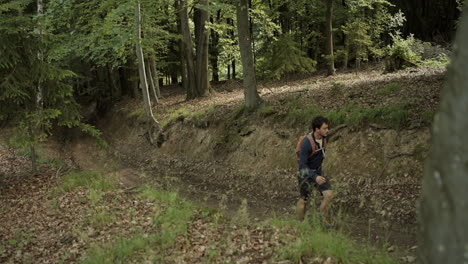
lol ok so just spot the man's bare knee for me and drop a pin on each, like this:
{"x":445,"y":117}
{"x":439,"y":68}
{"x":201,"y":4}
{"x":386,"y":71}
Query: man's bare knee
{"x":328,"y":195}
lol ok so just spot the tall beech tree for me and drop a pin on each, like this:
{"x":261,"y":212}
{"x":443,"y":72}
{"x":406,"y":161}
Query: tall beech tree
{"x":201,"y":18}
{"x":444,"y":201}
{"x":251,"y":97}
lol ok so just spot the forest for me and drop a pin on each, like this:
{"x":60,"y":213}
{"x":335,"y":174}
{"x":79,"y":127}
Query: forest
{"x":142,"y":131}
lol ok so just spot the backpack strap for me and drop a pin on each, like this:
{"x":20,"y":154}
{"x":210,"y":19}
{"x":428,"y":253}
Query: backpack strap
{"x":313,"y":144}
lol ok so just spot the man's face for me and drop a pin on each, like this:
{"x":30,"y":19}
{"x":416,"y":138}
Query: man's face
{"x":323,"y":130}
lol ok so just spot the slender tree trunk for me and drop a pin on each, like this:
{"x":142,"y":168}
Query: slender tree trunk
{"x":233,"y":69}
{"x":39,"y":100}
{"x":252,"y":35}
{"x":188,"y":53}
{"x":154,"y":71}
{"x":233,"y":37}
{"x":150,"y":78}
{"x":251,"y":97}
{"x":183,"y":61}
{"x":112,"y":83}
{"x":358,"y":56}
{"x":201,"y":40}
{"x":143,"y":80}
{"x":214,"y":49}
{"x":329,"y":35}
{"x":32,"y":149}
{"x":346,"y":52}
{"x":229,"y":72}
{"x":444,"y":202}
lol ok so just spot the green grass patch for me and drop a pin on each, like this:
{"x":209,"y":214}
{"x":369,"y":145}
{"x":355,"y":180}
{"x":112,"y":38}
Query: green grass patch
{"x":175,"y":115}
{"x":265,"y":110}
{"x":138,"y":114}
{"x":86,"y":179}
{"x":393,"y":115}
{"x":120,"y":251}
{"x":201,"y":118}
{"x":311,"y":241}
{"x":171,"y":218}
{"x":100,"y":218}
{"x":302,"y":115}
{"x":389,"y":89}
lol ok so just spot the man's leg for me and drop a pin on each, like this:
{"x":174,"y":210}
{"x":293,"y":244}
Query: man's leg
{"x":304,"y":189}
{"x":327,"y":197}
{"x":301,"y":208}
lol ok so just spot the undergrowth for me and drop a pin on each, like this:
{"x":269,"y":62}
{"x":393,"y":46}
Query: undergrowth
{"x":312,"y":241}
{"x":394,"y":115}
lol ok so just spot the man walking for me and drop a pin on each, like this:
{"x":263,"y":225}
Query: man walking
{"x":311,"y":153}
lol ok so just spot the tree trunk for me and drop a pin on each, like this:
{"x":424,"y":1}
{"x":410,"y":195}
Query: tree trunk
{"x":229,"y":72}
{"x":174,"y":78}
{"x":143,"y":83}
{"x":115,"y":93}
{"x":201,"y":16}
{"x":154,"y":71}
{"x":346,"y":53}
{"x":358,"y":56}
{"x":183,"y":62}
{"x":187,"y":41}
{"x":251,"y":97}
{"x":233,"y":69}
{"x":39,"y":99}
{"x":150,"y":79}
{"x":233,"y":38}
{"x":32,"y":149}
{"x":444,"y":201}
{"x":214,"y":49}
{"x":329,"y":35}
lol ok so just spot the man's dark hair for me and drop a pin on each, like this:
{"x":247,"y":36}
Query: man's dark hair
{"x":318,"y":122}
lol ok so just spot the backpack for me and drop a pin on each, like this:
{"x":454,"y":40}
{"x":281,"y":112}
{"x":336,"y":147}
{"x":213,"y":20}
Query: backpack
{"x":315,"y":145}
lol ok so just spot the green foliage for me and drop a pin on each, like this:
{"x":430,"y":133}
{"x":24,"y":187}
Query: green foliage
{"x":176,"y":115}
{"x":368,"y":21}
{"x":86,"y":179}
{"x":120,"y":251}
{"x":402,"y":49}
{"x":171,"y":219}
{"x":202,"y":118}
{"x":303,"y":115}
{"x":35,"y":90}
{"x":284,"y":57}
{"x":265,"y":110}
{"x":138,"y":114}
{"x":393,"y":115}
{"x":312,"y":240}
{"x":389,"y":89}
